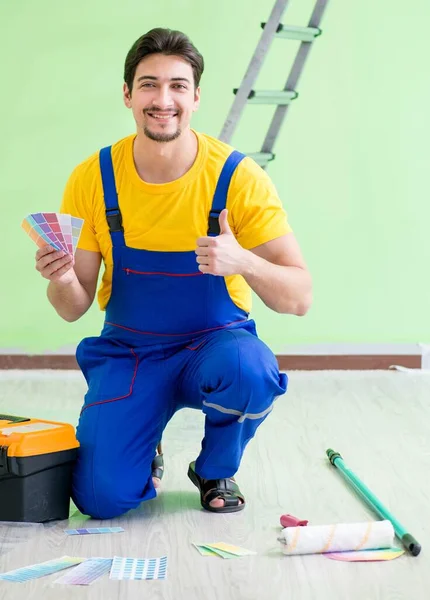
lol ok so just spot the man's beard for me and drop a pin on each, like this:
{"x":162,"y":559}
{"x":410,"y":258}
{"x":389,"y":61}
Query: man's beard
{"x":162,"y":137}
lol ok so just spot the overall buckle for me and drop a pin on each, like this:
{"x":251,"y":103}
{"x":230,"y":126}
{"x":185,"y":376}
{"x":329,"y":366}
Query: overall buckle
{"x":213,"y":221}
{"x":114,"y":219}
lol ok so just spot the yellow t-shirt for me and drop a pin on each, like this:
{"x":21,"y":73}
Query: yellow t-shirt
{"x":172,"y":216}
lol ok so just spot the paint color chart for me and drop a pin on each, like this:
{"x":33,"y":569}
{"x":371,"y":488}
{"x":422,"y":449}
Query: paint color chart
{"x":366,"y":555}
{"x":139,"y":568}
{"x":55,"y":229}
{"x":87,"y":572}
{"x":41,"y":569}
{"x":94,"y":530}
{"x":223,"y":550}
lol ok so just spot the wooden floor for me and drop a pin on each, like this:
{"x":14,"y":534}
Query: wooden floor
{"x":380,"y":423}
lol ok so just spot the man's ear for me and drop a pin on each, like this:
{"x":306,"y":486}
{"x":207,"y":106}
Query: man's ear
{"x":196,"y":99}
{"x":126,"y":95}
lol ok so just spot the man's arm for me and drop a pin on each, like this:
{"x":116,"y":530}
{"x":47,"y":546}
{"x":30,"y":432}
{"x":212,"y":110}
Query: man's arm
{"x":72,"y":283}
{"x":277,"y":272}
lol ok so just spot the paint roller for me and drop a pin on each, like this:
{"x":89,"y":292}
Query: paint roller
{"x":345,"y":537}
{"x":340,"y":537}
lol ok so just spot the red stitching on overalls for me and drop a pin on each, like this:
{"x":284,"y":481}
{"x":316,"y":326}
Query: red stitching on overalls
{"x":119,"y":397}
{"x":175,"y":334}
{"x":161,"y":273}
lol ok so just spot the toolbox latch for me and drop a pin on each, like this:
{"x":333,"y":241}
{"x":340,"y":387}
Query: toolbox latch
{"x":4,"y":466}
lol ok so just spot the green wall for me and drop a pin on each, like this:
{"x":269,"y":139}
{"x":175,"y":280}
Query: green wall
{"x":351,"y":165}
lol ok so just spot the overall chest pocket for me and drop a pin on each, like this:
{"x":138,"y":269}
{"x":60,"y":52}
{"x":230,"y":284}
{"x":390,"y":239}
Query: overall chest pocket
{"x":169,"y":298}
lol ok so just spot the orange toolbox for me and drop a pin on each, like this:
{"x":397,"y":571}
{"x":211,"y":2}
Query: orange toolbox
{"x":36,"y":462}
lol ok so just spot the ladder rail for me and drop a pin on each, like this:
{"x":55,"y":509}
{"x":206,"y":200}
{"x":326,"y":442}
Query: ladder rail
{"x":293,"y":79}
{"x":241,"y":98}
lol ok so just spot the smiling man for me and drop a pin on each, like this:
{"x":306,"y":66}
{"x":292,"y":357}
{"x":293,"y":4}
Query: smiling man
{"x":161,"y":117}
{"x":186,"y":228}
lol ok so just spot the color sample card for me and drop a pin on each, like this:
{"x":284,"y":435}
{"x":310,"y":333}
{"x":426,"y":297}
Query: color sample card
{"x":205,"y":551}
{"x":139,"y":568}
{"x":48,"y":222}
{"x":87,"y":572}
{"x":38,"y":235}
{"x":41,"y":569}
{"x":236,"y":550}
{"x":366,"y":555}
{"x":76,"y":230}
{"x":61,"y":231}
{"x":223,"y":549}
{"x":93,"y":530}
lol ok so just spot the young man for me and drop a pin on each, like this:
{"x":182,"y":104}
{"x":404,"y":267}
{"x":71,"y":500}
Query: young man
{"x":186,"y":228}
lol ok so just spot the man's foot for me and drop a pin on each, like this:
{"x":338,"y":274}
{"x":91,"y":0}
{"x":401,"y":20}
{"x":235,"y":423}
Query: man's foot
{"x":158,"y":467}
{"x":156,"y":481}
{"x":217,"y":495}
{"x":220,"y":502}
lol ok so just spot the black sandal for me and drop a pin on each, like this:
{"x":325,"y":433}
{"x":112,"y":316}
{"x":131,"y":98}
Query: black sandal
{"x":158,"y":464}
{"x":226,"y":489}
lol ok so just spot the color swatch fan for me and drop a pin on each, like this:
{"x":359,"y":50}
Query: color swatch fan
{"x":58,"y":230}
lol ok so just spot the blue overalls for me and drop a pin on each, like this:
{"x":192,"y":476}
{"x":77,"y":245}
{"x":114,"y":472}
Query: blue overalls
{"x":172,"y":338}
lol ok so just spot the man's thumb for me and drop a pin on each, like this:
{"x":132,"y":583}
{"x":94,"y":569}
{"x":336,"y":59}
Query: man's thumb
{"x":223,"y":222}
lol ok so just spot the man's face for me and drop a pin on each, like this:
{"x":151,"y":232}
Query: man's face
{"x":163,"y":96}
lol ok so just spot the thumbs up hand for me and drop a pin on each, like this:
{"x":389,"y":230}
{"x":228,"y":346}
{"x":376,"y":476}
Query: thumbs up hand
{"x":221,"y":255}
{"x":223,"y":223}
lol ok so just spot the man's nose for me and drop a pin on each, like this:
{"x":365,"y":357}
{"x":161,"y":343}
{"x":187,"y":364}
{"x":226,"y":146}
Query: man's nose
{"x":163,"y":97}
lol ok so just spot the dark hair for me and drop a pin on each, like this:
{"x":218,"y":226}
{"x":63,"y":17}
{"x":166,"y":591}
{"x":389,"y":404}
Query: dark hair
{"x":163,"y":41}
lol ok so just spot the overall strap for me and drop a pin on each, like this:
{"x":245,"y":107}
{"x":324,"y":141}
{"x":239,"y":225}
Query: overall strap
{"x":113,"y":213}
{"x":221,"y":191}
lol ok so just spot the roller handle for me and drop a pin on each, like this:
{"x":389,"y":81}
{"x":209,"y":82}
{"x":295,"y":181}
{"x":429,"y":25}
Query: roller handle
{"x":411,"y":544}
{"x":407,"y":539}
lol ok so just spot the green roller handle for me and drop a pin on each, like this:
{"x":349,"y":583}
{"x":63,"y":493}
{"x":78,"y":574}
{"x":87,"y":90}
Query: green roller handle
{"x":406,"y":538}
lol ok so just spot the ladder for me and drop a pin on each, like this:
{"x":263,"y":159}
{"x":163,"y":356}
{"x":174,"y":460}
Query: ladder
{"x":245,"y":94}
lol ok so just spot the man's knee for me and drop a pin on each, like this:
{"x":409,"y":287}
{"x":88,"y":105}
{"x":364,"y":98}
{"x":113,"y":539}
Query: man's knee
{"x":88,"y":504}
{"x":251,"y":362}
{"x":108,"y":495}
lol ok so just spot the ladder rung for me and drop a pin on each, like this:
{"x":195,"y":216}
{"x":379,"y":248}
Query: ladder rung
{"x":261,"y":158}
{"x":291,"y":32}
{"x":281,"y":97}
